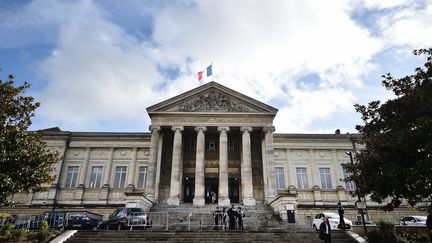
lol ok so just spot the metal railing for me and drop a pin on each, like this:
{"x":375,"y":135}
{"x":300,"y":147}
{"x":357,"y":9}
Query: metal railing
{"x":177,"y":221}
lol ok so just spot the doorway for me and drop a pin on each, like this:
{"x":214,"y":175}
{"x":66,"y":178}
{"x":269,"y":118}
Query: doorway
{"x":188,"y":189}
{"x":211,"y":187}
{"x":233,"y":190}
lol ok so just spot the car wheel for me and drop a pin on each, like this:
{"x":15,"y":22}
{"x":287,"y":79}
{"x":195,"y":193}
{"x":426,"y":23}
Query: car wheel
{"x":315,"y":228}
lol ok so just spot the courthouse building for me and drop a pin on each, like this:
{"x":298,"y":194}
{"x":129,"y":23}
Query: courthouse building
{"x":210,"y":139}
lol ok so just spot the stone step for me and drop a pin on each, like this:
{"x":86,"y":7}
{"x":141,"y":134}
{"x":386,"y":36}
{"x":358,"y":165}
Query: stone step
{"x":203,"y":236}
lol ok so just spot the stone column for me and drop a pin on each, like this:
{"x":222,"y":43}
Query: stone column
{"x":84,"y":169}
{"x":271,"y":187}
{"x":131,"y":173}
{"x":176,"y":172}
{"x":108,"y":169}
{"x":199,"y":167}
{"x":223,"y":167}
{"x":152,"y":163}
{"x":158,"y":167}
{"x":246,"y":168}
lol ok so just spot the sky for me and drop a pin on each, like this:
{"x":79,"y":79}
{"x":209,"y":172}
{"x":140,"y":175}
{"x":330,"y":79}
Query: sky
{"x":96,"y":66}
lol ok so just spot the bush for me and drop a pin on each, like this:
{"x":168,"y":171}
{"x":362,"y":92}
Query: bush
{"x":375,"y":236}
{"x":19,"y":235}
{"x":387,"y":228}
{"x":6,"y":231}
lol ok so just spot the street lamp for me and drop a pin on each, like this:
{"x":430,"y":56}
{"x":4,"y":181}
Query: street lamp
{"x":360,"y":205}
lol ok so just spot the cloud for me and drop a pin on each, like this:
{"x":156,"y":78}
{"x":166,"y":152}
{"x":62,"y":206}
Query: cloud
{"x":106,"y":68}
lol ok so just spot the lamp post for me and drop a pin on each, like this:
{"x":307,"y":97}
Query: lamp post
{"x":359,"y":204}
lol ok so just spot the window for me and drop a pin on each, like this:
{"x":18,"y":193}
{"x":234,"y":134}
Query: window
{"x":190,"y":145}
{"x":211,"y":145}
{"x":325,"y":178}
{"x":120,"y":177}
{"x":350,"y":185}
{"x":142,"y":177}
{"x":72,"y":175}
{"x":96,"y":176}
{"x":280,"y":178}
{"x":302,"y":181}
{"x":233,"y":145}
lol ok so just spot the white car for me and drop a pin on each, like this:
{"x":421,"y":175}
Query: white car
{"x":413,"y":220}
{"x":333,"y":220}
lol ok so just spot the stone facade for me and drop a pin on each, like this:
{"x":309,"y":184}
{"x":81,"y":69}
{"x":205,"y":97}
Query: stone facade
{"x":210,"y":140}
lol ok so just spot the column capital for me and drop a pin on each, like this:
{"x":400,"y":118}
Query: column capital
{"x":246,"y":129}
{"x":226,"y":129}
{"x":153,"y":127}
{"x":111,"y":149}
{"x":87,"y":149}
{"x":201,"y":128}
{"x":175,"y":128}
{"x":134,"y":149}
{"x":269,"y":129}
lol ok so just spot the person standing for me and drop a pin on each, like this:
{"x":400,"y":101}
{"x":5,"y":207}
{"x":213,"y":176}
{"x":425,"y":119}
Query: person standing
{"x":224,"y":219}
{"x":217,"y":217}
{"x":429,"y":223}
{"x":341,"y":212}
{"x":240,"y":216}
{"x":325,"y":231}
{"x":232,"y":215}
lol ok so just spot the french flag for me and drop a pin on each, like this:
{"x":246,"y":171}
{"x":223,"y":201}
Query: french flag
{"x":208,"y":70}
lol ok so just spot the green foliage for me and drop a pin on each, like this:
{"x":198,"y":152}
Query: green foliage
{"x":386,"y":227}
{"x":25,"y":162}
{"x":6,"y":231}
{"x":397,"y":160}
{"x":19,"y":235}
{"x":374,"y":236}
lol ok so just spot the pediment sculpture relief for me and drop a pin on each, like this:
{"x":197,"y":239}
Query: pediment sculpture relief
{"x":213,"y":101}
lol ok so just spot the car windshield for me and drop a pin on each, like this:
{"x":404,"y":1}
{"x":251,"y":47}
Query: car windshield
{"x":332,"y":215}
{"x":421,"y":218}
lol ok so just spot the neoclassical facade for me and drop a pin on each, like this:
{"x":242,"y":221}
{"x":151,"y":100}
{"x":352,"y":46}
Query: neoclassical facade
{"x":208,"y":141}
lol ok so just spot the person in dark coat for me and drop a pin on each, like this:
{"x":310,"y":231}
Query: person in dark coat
{"x":240,"y":216}
{"x":429,"y":223}
{"x":325,"y":231}
{"x":341,"y":213}
{"x":232,"y":215}
{"x":217,"y":217}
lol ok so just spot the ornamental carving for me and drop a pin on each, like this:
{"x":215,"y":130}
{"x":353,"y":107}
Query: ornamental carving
{"x":213,"y":101}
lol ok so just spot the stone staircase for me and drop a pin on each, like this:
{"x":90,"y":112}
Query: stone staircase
{"x":203,"y":236}
{"x":257,"y":217}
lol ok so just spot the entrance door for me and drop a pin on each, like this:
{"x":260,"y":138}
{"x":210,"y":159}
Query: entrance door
{"x":188,"y":189}
{"x":211,"y":187}
{"x":233,"y":190}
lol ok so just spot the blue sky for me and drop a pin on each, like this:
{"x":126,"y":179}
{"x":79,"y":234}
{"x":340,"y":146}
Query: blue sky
{"x":97,"y":65}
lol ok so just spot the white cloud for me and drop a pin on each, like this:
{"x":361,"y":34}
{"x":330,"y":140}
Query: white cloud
{"x":101,"y":72}
{"x":410,"y":27}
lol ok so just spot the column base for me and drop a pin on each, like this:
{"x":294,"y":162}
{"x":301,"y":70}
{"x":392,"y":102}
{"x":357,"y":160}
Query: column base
{"x":198,"y":201}
{"x":224,"y":202}
{"x":249,"y":201}
{"x":173,"y":201}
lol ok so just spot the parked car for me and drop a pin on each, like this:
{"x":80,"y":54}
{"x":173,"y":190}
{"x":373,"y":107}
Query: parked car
{"x":333,"y":220}
{"x":124,"y":218}
{"x":82,"y":220}
{"x":413,"y":220}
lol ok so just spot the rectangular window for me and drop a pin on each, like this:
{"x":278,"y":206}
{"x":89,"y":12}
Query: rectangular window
{"x":325,"y":178}
{"x":349,"y":185}
{"x":302,"y":181}
{"x":233,"y":145}
{"x":96,"y":176}
{"x":120,"y":177}
{"x":280,"y":178}
{"x":72,"y":175}
{"x":190,"y":145}
{"x":142,"y":178}
{"x":211,"y":145}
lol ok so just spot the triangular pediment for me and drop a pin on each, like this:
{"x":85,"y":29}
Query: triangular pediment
{"x":213,"y":98}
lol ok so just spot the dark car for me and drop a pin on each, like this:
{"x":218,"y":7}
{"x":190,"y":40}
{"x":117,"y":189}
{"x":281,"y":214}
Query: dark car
{"x":82,"y":220}
{"x":124,"y":218}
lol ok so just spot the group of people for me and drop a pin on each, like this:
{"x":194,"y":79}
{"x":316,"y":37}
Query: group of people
{"x":325,"y":229}
{"x":230,"y":219}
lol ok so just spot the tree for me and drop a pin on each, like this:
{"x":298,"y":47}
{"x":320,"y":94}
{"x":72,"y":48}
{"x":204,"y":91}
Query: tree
{"x":397,"y":160}
{"x":25,"y":162}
